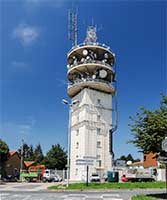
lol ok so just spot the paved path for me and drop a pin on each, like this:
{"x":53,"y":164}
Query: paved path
{"x":59,"y":196}
{"x":25,"y":186}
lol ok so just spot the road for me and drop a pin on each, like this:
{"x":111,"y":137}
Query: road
{"x":38,"y":191}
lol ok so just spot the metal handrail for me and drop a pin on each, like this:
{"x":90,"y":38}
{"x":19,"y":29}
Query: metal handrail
{"x":89,"y":62}
{"x":93,"y":44}
{"x":88,"y":80}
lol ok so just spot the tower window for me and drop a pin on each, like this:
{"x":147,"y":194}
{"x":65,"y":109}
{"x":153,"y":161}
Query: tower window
{"x":99,"y":161}
{"x":98,"y":101}
{"x":76,"y":171}
{"x":77,"y":145}
{"x":98,"y":117}
{"x":98,"y":144}
{"x":98,"y":131}
{"x":98,"y":156}
{"x":77,"y":132}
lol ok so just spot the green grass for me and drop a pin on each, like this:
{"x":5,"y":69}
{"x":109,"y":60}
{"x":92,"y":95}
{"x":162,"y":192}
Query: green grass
{"x":142,"y":197}
{"x":82,"y":186}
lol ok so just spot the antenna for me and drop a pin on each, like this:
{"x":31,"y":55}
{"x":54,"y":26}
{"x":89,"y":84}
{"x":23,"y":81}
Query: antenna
{"x":91,"y":36}
{"x":72,"y":27}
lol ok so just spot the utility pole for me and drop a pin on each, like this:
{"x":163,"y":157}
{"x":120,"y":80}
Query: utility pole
{"x":22,"y":152}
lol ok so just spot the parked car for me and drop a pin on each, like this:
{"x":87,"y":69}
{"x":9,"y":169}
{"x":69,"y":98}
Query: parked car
{"x":57,"y":178}
{"x":94,"y":178}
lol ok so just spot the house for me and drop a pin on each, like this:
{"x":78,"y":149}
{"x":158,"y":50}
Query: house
{"x":150,"y":160}
{"x":13,"y":164}
{"x":28,"y":164}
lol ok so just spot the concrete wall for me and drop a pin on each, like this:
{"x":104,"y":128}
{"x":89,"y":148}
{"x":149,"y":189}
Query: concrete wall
{"x":90,"y":124}
{"x":161,"y":175}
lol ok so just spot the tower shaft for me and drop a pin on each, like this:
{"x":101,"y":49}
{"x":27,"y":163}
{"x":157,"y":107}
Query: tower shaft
{"x":90,"y":74}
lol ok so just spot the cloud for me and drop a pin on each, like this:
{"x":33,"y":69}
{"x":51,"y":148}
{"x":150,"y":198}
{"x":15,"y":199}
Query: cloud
{"x":26,"y":34}
{"x":30,"y":4}
{"x":24,"y":127}
{"x":21,"y":127}
{"x":19,"y":64}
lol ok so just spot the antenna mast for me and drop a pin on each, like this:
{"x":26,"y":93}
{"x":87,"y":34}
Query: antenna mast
{"x":72,"y":27}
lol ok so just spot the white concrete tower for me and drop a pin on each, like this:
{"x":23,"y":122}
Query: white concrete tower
{"x":90,"y":74}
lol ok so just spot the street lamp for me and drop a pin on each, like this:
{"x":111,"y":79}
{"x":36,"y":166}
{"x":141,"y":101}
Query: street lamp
{"x":64,"y":101}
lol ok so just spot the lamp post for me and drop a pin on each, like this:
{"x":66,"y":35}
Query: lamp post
{"x":21,"y":164}
{"x":64,"y":101}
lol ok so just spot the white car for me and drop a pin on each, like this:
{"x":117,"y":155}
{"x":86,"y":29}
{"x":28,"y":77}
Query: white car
{"x":57,"y":178}
{"x":94,"y":178}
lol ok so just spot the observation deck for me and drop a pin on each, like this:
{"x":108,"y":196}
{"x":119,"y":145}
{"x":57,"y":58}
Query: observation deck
{"x":90,"y":65}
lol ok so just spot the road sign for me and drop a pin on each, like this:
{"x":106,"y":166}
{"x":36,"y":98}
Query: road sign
{"x":164,"y":145}
{"x":84,"y":162}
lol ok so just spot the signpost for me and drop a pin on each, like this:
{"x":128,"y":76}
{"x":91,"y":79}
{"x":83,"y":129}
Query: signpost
{"x":87,"y":160}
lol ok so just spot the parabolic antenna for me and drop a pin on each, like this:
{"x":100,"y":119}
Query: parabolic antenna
{"x":106,"y":55}
{"x":94,"y":76}
{"x":102,"y":73}
{"x":129,"y":162}
{"x":85,"y":52}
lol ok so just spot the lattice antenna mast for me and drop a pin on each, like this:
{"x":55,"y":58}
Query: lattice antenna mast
{"x":91,"y":36}
{"x":72,"y":27}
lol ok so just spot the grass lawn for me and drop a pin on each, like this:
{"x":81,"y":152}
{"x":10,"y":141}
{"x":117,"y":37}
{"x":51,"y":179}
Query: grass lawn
{"x":82,"y":186}
{"x":142,"y":197}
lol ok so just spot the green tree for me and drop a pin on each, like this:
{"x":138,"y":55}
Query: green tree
{"x":28,"y":154}
{"x":31,"y":153}
{"x":149,"y":128}
{"x":38,"y":154}
{"x":4,"y":153}
{"x":129,"y":157}
{"x":123,"y":157}
{"x":56,"y":157}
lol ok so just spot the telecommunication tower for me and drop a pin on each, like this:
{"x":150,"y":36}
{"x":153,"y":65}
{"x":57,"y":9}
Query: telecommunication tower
{"x":91,"y":75}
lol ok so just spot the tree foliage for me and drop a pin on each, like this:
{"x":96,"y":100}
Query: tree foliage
{"x":149,"y":128}
{"x":38,"y":154}
{"x":4,"y":153}
{"x":129,"y":157}
{"x":28,"y":152}
{"x":56,"y":157}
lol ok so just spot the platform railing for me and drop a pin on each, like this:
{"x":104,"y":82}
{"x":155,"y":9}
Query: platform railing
{"x":90,"y":61}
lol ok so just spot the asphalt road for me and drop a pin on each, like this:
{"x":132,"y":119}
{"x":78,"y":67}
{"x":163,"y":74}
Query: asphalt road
{"x":95,"y":195}
{"x":38,"y":191}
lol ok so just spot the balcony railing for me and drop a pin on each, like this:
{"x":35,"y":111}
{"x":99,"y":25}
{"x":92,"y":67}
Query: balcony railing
{"x":78,"y":81}
{"x":90,"y":61}
{"x":93,"y":44}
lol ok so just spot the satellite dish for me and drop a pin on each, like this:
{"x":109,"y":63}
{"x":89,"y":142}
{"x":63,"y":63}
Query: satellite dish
{"x":94,"y":76}
{"x":102,"y":73}
{"x":87,"y":57}
{"x":83,"y":59}
{"x":95,"y":55}
{"x":85,"y":52}
{"x":106,"y":55}
{"x":129,"y":162}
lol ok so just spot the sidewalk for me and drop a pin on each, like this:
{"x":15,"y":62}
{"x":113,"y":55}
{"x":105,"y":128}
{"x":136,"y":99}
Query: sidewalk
{"x":22,"y":186}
